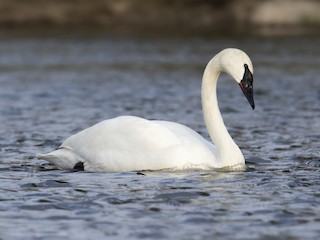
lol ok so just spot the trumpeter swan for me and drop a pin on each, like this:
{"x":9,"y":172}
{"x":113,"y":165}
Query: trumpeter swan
{"x":129,"y":143}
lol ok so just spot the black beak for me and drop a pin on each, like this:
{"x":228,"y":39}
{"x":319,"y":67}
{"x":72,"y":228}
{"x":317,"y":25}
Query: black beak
{"x":246,"y":85}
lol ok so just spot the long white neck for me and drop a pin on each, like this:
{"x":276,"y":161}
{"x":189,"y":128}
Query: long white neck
{"x":229,"y":153}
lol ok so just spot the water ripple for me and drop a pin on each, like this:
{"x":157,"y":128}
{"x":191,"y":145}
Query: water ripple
{"x":51,"y":88}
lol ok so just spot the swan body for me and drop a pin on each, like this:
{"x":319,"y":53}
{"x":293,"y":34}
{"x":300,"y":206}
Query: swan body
{"x":129,"y":143}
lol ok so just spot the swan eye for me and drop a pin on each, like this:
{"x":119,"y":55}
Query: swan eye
{"x":247,"y":79}
{"x":246,"y":85}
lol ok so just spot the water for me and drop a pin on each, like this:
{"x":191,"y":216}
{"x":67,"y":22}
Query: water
{"x":52,"y":87}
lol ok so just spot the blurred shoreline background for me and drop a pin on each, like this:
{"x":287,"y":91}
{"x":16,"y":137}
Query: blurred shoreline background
{"x":215,"y":17}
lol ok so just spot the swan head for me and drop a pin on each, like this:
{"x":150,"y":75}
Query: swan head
{"x":238,"y":65}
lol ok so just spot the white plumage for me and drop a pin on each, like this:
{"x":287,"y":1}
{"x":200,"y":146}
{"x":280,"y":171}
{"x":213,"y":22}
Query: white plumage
{"x":130,"y":143}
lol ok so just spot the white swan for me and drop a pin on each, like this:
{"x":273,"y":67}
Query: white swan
{"x":130,"y":143}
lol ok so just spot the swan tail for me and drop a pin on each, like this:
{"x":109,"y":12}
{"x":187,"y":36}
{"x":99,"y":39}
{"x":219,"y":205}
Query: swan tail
{"x":63,"y":158}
